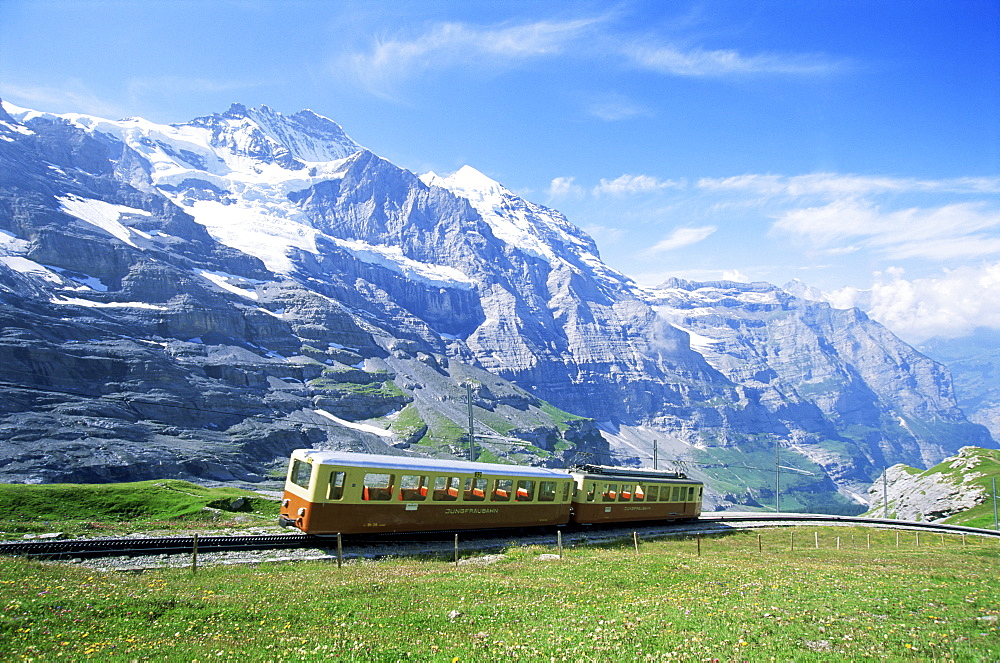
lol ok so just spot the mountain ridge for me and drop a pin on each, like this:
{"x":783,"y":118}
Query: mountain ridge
{"x":220,"y":216}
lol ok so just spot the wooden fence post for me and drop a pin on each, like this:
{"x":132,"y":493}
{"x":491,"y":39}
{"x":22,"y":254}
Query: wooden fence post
{"x":816,"y":536}
{"x":699,"y":545}
{"x":194,"y":553}
{"x":635,"y":540}
{"x":760,"y":546}
{"x":559,"y":542}
{"x":456,"y":549}
{"x":340,"y":551}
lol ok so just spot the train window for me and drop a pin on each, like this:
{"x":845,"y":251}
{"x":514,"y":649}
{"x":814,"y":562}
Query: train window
{"x":591,"y":489}
{"x":677,"y":494}
{"x":701,"y":491}
{"x":610,"y":492}
{"x":335,"y":490}
{"x":566,"y":487}
{"x":691,"y":494}
{"x":501,"y":490}
{"x":625,"y":494}
{"x":413,"y":488}
{"x":475,"y":490}
{"x":546,"y":491}
{"x":377,"y":487}
{"x":446,"y":489}
{"x":638,"y":494}
{"x":525,"y":491}
{"x":651,"y":493}
{"x":300,"y":473}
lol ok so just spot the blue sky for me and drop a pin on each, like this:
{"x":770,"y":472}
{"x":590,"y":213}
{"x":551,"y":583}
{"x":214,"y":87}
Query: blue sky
{"x":852,"y":145}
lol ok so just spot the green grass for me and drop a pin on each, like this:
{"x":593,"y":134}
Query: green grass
{"x":938,"y":601}
{"x":559,"y":417}
{"x":87,"y":509}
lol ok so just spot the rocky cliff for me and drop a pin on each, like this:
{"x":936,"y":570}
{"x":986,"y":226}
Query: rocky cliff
{"x":206,"y":296}
{"x":949,"y":491}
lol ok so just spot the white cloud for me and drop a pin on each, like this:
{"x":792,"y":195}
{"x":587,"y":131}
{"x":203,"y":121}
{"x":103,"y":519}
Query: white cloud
{"x":460,"y":44}
{"x":951,"y":304}
{"x":680,"y":238}
{"x":698,"y":62}
{"x":961,"y":230}
{"x":838,"y":184}
{"x":630,"y":184}
{"x":615,"y":108}
{"x":561,"y":187}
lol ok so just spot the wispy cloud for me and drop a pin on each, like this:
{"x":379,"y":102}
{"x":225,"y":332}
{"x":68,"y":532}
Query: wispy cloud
{"x":632,"y":184}
{"x":726,"y":62}
{"x":962,"y":230}
{"x":613,"y":108}
{"x":448,"y":45}
{"x":680,"y":238}
{"x":838,"y":184}
{"x":391,"y":60}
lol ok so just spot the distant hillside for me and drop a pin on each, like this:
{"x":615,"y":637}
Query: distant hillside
{"x":956,"y":490}
{"x":974,"y":362}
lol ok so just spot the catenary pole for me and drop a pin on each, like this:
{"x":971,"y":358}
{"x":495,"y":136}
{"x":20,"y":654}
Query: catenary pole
{"x":996,"y":523}
{"x":777,"y":473}
{"x":472,"y":422}
{"x":885,"y":493}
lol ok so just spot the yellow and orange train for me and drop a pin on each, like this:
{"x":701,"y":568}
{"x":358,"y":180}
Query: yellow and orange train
{"x":328,"y":492}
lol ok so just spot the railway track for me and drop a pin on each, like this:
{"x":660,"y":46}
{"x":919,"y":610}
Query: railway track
{"x":710,"y":523}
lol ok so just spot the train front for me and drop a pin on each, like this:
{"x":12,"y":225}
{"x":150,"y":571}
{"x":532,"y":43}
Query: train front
{"x":298,"y":501}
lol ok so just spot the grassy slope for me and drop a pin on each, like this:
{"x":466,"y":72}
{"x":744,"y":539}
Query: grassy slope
{"x":988,"y":467}
{"x":936,"y":601}
{"x":80,"y":509}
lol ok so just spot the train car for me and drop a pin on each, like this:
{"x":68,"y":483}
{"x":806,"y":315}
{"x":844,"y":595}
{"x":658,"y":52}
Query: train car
{"x":327,"y":492}
{"x":613,"y":495}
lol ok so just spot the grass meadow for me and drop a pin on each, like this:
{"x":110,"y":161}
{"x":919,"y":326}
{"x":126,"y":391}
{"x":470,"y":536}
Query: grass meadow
{"x":939,"y":601}
{"x":167,"y":505}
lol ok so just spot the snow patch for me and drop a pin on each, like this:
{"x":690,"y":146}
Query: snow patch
{"x":391,"y":257}
{"x":12,"y":244}
{"x":30,"y":268}
{"x":223,"y":280}
{"x":104,"y":216}
{"x":74,"y":301}
{"x":375,"y":430}
{"x":91,"y":282}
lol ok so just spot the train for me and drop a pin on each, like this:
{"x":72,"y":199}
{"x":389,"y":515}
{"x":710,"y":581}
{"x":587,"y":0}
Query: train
{"x":339,"y":492}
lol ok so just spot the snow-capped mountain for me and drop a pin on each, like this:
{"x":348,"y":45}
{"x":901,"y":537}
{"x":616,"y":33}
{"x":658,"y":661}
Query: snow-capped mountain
{"x":263,"y":245}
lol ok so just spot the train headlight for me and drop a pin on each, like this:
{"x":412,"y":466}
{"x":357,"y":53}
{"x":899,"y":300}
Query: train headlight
{"x":302,"y":511}
{"x":285,"y":502}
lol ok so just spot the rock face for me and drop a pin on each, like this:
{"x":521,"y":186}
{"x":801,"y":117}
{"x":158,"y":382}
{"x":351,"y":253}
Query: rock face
{"x":205,"y":297}
{"x":931,"y":495}
{"x":974,"y":362}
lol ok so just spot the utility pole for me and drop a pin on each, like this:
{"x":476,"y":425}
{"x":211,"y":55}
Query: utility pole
{"x":655,"y":459}
{"x":996,"y":523}
{"x":472,"y":422}
{"x":885,"y":493}
{"x":777,"y":474}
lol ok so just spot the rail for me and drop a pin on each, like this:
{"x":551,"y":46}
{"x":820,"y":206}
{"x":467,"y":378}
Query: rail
{"x":711,"y":522}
